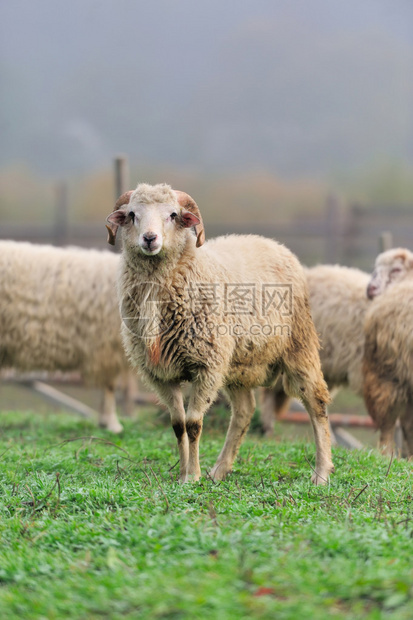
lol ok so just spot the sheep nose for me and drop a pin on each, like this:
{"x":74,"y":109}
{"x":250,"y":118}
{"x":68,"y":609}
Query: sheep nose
{"x":371,"y":291}
{"x":149,"y":237}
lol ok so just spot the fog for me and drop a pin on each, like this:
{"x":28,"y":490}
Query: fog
{"x":312,"y":88}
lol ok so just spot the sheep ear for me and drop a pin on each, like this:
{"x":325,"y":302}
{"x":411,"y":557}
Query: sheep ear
{"x":406,"y":256}
{"x":189,"y":219}
{"x":190,"y":205}
{"x":114,"y":220}
{"x":117,"y":217}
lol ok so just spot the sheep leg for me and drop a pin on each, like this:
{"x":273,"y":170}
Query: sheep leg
{"x":268,"y":410}
{"x":108,"y":417}
{"x":274,"y":403}
{"x":382,"y":402}
{"x":315,"y":401}
{"x":307,"y":382}
{"x":321,"y":429}
{"x":242,"y":409}
{"x":317,"y":410}
{"x":171,"y":396}
{"x":203,"y":392}
{"x":406,"y":420}
{"x":387,"y":428}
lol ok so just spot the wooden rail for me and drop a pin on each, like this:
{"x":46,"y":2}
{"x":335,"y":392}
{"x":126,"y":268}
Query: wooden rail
{"x":336,"y":419}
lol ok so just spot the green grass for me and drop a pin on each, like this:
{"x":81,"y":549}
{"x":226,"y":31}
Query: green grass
{"x":93,"y":529}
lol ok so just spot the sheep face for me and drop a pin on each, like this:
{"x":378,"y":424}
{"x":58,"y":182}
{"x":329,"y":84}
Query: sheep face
{"x":150,"y":228}
{"x":154,"y":219}
{"x":390,"y":267}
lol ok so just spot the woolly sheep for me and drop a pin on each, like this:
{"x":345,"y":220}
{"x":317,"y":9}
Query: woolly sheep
{"x":59,"y":312}
{"x":388,"y":355}
{"x":338,"y":305}
{"x":189,"y":314}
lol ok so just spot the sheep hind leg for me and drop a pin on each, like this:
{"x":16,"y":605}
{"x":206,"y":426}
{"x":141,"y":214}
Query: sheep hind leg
{"x":382,"y":403}
{"x":171,"y":396}
{"x":108,"y":417}
{"x":242,"y":409}
{"x":317,"y":410}
{"x":274,"y":403}
{"x":268,"y":410}
{"x":387,"y":426}
{"x":315,"y":397}
{"x":406,"y":420}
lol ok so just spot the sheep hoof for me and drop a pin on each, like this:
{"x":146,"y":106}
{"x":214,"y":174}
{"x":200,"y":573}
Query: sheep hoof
{"x":219,"y":472}
{"x":319,"y":480}
{"x":193,"y":477}
{"x":115,"y":427}
{"x":321,"y":477}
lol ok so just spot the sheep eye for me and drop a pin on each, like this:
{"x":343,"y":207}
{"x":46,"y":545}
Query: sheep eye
{"x":173,"y":215}
{"x":132,"y":216}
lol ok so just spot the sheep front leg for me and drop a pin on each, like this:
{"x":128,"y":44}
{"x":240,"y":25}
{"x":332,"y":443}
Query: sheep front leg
{"x":203,"y":392}
{"x":171,"y":396}
{"x":242,"y":408}
{"x":108,"y":417}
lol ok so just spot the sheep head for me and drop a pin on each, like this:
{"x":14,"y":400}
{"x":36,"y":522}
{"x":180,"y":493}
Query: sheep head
{"x":390,"y":267}
{"x":155,"y":218}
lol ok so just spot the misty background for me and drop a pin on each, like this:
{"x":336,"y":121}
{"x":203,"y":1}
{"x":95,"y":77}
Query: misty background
{"x":260,"y":109}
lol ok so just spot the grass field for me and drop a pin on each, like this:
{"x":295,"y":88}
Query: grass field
{"x":98,"y":528}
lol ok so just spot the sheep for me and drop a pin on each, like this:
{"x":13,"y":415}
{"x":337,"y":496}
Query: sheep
{"x":59,"y":312}
{"x":340,"y":308}
{"x":338,"y":305}
{"x":391,"y":267}
{"x":231,"y":314}
{"x":388,"y":353}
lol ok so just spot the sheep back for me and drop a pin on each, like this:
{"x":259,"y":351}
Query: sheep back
{"x":58,"y":311}
{"x":338,"y":304}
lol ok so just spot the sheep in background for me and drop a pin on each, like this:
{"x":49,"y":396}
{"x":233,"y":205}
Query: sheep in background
{"x":180,"y":322}
{"x":340,"y":308}
{"x":338,"y":304}
{"x":390,"y":267}
{"x":59,"y":312}
{"x":388,"y":354}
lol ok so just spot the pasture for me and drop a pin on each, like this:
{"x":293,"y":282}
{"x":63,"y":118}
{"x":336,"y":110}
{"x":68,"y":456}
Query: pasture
{"x":93,"y":526}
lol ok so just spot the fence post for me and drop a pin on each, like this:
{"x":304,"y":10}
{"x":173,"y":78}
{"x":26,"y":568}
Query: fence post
{"x":61,"y":214}
{"x":121,"y":175}
{"x":385,"y":241}
{"x":332,"y":229}
{"x":121,"y":181}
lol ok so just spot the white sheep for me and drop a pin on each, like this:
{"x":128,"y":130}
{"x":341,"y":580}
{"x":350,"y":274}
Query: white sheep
{"x":388,"y":354}
{"x":59,"y":312}
{"x":229,"y":314}
{"x":338,"y":303}
{"x":340,"y":300}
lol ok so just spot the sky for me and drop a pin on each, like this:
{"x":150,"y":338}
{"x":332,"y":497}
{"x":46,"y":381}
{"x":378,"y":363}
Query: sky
{"x":300,"y":87}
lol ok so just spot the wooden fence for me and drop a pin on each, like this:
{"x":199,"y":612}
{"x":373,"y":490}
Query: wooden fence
{"x":345,"y":234}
